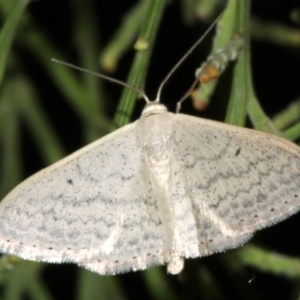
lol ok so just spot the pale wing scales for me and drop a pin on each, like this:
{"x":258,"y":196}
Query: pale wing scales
{"x":94,"y":208}
{"x":236,"y":180}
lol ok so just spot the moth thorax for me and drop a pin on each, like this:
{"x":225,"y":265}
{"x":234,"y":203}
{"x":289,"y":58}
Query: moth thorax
{"x":153,"y":108}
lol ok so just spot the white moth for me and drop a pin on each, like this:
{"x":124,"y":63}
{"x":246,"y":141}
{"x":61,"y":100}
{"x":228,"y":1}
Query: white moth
{"x":164,"y":188}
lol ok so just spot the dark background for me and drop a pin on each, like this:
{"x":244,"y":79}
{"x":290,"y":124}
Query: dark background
{"x":274,"y":67}
{"x":276,"y":82}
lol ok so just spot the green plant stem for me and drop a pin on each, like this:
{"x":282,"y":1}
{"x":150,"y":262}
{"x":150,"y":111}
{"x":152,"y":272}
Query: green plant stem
{"x":140,"y":64}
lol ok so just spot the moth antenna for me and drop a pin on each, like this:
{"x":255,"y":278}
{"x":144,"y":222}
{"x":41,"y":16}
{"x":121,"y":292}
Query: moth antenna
{"x":179,"y":63}
{"x":186,"y":94}
{"x":119,"y":82}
